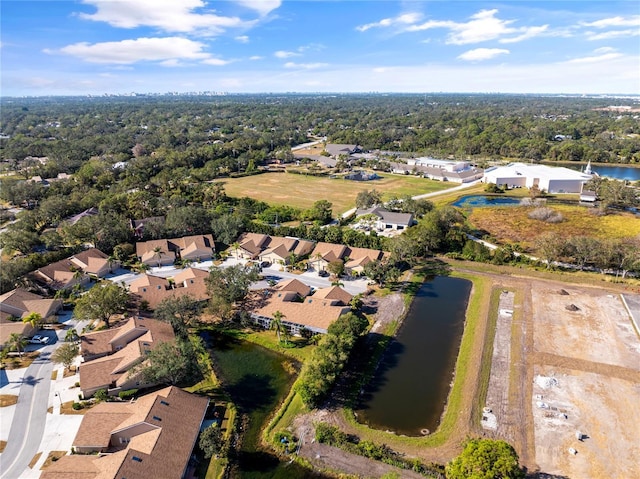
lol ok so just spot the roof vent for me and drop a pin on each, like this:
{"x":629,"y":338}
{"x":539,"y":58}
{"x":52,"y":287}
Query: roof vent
{"x":156,"y":418}
{"x":137,"y":459}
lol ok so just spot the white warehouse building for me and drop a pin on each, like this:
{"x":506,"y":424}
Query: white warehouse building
{"x":548,"y":178}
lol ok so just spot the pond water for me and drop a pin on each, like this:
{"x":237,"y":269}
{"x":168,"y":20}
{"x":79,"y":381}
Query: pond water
{"x":257,"y":380}
{"x":410,"y":388}
{"x":476,"y":201}
{"x":617,"y":172}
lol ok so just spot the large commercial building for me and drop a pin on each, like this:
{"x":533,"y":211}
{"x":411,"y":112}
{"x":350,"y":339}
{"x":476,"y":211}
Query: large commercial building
{"x":547,"y":178}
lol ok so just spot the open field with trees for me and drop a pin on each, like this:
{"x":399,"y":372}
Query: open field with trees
{"x":302,"y":191}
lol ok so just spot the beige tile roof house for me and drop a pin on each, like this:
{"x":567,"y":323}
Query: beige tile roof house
{"x":155,"y":289}
{"x":334,"y":293}
{"x":165,"y":251}
{"x":109,"y":355}
{"x":151,"y":438}
{"x":18,"y":303}
{"x":274,"y":249}
{"x":62,"y":274}
{"x":251,"y":245}
{"x":93,"y":262}
{"x":359,"y":257}
{"x":312,"y":313}
{"x":75,"y":269}
{"x":325,"y":253}
{"x":295,"y":286}
{"x":155,"y":252}
{"x":195,"y":248}
{"x":279,"y":249}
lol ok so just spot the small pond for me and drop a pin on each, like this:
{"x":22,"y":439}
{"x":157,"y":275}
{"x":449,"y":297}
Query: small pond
{"x":408,"y":393}
{"x":257,"y":380}
{"x":477,"y":201}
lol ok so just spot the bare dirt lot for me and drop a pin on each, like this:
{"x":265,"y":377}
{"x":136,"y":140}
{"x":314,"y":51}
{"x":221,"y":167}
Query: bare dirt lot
{"x":586,"y":369}
{"x":573,"y":349}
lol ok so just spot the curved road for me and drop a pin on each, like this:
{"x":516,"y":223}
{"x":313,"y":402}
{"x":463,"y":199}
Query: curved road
{"x":29,"y":418}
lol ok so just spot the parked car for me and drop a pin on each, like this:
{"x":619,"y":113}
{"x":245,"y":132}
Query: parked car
{"x":323,"y":273}
{"x":39,"y":339}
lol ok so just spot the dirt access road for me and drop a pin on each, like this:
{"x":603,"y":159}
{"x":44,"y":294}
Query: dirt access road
{"x":582,"y":338}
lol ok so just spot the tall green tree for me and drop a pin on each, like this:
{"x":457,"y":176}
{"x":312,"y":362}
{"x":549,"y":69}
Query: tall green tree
{"x":181,"y":312}
{"x":174,"y":362}
{"x":65,"y":354}
{"x":211,"y":441}
{"x":101,"y":302}
{"x":485,"y":459}
{"x":367,"y":199}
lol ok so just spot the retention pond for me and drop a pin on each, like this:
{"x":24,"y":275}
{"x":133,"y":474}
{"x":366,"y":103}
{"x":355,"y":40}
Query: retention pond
{"x":409,"y":391}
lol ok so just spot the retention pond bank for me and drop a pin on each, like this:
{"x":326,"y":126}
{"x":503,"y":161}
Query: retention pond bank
{"x":409,"y":390}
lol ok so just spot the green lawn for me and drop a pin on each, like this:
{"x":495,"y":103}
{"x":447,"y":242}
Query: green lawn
{"x":302,"y":191}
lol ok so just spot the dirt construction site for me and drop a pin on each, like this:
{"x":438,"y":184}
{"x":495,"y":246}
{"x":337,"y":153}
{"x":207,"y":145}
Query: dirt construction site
{"x":586,"y":383}
{"x":563,"y":389}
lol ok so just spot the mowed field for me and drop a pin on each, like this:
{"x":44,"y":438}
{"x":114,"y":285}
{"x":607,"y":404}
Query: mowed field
{"x":511,"y":224}
{"x":302,"y":191}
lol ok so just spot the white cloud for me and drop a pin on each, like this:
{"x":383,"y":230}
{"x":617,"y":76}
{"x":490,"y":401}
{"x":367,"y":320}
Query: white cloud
{"x":256,"y":57}
{"x":480,"y":54}
{"x":404,"y":19}
{"x":481,"y":27}
{"x":528,"y":33}
{"x":170,"y":49}
{"x":613,"y":34}
{"x":263,"y":7}
{"x":286,"y":54}
{"x":242,"y":39}
{"x":604,"y":50}
{"x":305,"y":66}
{"x":217,"y":62}
{"x":596,"y":58}
{"x":632,"y":21}
{"x":166,"y":15}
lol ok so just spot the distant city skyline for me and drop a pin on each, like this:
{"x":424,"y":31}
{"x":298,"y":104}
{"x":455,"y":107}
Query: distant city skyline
{"x":271,"y":46}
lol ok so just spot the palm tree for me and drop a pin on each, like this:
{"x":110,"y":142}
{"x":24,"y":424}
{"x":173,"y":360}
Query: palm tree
{"x":111,"y":260}
{"x":337,"y":283}
{"x":236,"y":247}
{"x":317,"y":258}
{"x":34,"y":319}
{"x":277,"y":325}
{"x":18,"y":342}
{"x":71,"y":336}
{"x":157,"y":253}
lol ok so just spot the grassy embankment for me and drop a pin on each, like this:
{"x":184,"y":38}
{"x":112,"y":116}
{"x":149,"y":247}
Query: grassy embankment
{"x":302,"y":191}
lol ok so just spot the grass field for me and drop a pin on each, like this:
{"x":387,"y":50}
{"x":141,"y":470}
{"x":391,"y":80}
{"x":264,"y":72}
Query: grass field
{"x":302,"y":191}
{"x":512,"y":224}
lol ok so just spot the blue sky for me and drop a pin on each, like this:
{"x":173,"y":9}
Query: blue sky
{"x":106,"y":46}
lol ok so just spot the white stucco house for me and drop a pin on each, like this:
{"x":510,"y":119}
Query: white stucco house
{"x":548,"y":178}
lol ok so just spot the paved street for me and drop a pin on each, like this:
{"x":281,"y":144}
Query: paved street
{"x":310,"y":278}
{"x":29,"y":417}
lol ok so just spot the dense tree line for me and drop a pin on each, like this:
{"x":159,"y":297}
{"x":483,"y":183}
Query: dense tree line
{"x":321,"y":371}
{"x":204,"y":137}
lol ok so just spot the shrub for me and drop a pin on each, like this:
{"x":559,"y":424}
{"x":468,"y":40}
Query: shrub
{"x":128,"y":394}
{"x":101,"y":395}
{"x":546,"y":214}
{"x":76,"y":406}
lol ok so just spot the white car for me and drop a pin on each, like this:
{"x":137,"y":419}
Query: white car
{"x":39,"y":339}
